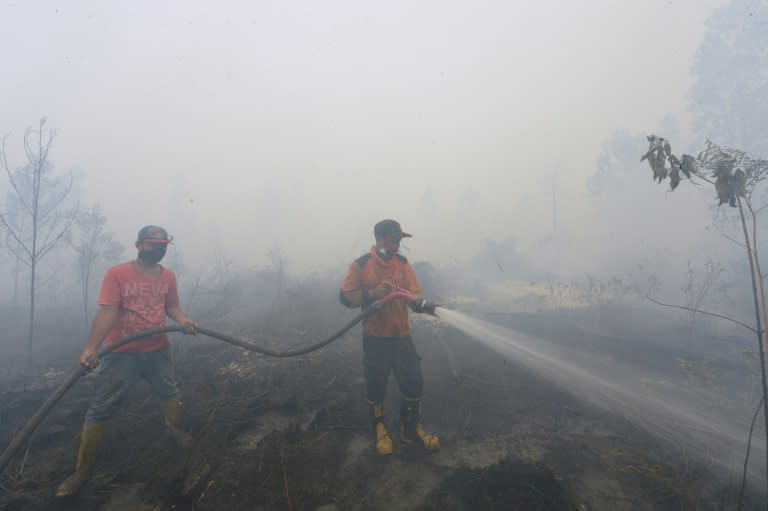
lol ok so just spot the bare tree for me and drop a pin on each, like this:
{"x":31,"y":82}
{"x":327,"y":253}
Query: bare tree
{"x":695,"y":292}
{"x":36,"y":216}
{"x":93,"y":245}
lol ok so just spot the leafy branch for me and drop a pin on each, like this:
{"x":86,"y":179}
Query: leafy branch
{"x":735,"y":177}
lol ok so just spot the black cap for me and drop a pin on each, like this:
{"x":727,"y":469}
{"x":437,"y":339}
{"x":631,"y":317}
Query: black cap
{"x":387,"y":227}
{"x":154,"y":234}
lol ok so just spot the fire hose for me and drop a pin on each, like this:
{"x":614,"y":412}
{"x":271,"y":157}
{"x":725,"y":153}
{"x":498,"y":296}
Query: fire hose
{"x":47,"y":406}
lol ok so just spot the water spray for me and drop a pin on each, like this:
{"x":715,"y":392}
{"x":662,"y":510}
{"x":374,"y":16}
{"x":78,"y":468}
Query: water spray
{"x":668,"y":411}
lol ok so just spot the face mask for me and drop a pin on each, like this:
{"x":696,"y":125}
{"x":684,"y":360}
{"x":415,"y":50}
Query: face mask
{"x":383,"y":252}
{"x":153,"y":256}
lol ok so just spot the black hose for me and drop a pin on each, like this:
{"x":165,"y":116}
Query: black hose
{"x":290,"y":353}
{"x":49,"y":403}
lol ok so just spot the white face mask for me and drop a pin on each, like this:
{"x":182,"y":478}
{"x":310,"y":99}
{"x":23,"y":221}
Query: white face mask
{"x":383,"y":252}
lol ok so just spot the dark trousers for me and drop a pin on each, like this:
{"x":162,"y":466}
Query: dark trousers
{"x":382,"y":354}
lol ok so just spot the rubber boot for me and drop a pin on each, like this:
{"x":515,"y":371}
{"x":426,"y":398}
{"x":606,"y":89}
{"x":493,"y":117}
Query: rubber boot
{"x":383,"y":442}
{"x":412,"y":430}
{"x":172,"y":414}
{"x":89,"y":443}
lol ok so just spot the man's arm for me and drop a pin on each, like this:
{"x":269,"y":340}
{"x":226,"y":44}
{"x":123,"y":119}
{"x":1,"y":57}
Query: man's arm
{"x":354,"y":294}
{"x":411,"y":282}
{"x":173,"y":307}
{"x":100,"y":327}
{"x":175,"y":313}
{"x":351,"y":293}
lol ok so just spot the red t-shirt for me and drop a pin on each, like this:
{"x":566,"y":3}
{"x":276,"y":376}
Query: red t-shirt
{"x":142,"y":302}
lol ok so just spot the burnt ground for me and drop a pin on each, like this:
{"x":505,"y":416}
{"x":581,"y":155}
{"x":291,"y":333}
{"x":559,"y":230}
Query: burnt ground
{"x":293,"y":434}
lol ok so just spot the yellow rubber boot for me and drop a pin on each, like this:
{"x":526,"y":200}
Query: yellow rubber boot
{"x":172,"y":414}
{"x":412,"y":430}
{"x":383,"y":442}
{"x":89,"y":443}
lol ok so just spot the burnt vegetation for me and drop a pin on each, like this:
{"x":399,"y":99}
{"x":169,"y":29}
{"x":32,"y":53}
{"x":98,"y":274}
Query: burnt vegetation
{"x":294,"y":433}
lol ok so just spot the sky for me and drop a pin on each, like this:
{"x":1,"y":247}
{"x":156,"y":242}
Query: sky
{"x":290,"y":127}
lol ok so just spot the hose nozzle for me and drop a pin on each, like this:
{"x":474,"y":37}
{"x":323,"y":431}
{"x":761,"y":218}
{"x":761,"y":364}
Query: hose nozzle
{"x":424,"y":305}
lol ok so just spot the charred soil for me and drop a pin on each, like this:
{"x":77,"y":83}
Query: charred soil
{"x":294,"y":434}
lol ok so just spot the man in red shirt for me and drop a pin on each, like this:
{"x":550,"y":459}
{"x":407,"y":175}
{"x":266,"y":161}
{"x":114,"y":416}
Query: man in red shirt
{"x":387,"y":343}
{"x":135,"y":296}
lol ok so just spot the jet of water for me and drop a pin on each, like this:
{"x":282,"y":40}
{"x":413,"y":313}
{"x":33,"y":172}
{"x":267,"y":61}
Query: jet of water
{"x":671,"y":411}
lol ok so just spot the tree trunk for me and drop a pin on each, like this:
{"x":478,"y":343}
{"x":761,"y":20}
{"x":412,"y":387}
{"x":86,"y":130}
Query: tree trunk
{"x":761,"y":338}
{"x":31,"y":331}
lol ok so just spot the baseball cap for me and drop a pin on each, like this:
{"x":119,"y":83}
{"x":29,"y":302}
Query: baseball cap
{"x":154,"y":234}
{"x":387,"y":227}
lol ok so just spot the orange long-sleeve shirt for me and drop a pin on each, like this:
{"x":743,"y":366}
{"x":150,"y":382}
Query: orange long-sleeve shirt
{"x":369,"y":271}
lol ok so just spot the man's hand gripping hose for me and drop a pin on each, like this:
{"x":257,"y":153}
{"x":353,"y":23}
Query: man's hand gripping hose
{"x":417,"y":304}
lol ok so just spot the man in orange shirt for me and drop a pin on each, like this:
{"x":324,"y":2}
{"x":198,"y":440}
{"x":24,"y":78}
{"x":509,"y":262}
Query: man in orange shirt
{"x":387,"y":343}
{"x":135,"y":297}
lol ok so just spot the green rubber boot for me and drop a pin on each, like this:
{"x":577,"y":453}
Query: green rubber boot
{"x":172,"y":414}
{"x":89,"y":443}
